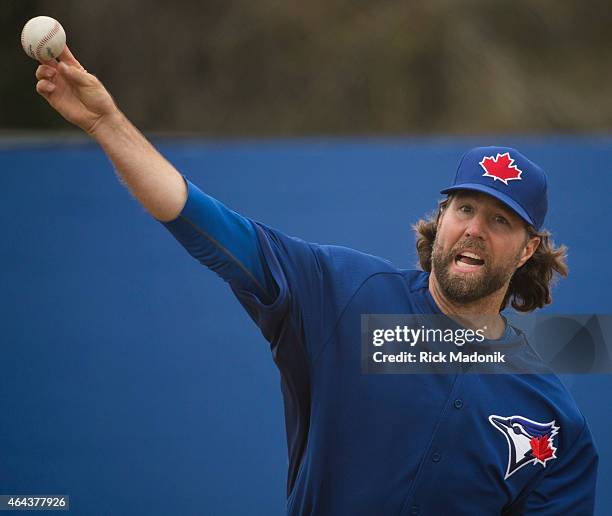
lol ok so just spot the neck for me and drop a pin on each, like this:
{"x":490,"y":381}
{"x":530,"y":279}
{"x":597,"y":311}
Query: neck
{"x":480,"y":313}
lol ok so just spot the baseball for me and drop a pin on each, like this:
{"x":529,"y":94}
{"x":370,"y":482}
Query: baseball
{"x":43,"y":38}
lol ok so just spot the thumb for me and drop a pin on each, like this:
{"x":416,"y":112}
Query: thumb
{"x":74,"y":75}
{"x":69,"y":58}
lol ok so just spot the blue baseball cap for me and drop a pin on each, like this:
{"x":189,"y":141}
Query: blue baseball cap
{"x":507,"y":175}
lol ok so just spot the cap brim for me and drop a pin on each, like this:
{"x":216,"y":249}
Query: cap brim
{"x":511,"y":203}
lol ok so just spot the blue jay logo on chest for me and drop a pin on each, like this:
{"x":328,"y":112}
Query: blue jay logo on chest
{"x":529,"y":442}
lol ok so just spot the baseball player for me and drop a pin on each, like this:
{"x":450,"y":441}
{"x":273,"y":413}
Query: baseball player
{"x":373,"y":444}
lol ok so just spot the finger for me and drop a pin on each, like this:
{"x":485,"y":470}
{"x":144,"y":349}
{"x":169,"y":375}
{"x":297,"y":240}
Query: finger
{"x":74,"y":75}
{"x":45,"y":72}
{"x":67,"y":57}
{"x":45,"y":88}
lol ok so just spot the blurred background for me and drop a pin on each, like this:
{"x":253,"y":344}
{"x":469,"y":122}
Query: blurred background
{"x":269,"y":68}
{"x":130,"y":378}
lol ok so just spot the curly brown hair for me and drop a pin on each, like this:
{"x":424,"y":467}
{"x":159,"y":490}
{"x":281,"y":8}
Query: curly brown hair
{"x":530,"y":285}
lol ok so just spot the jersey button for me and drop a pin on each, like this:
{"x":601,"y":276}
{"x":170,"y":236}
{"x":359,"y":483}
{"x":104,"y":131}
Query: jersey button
{"x":436,"y":457}
{"x":458,"y":403}
{"x":415,"y":510}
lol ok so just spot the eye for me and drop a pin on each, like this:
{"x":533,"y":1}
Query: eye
{"x":501,"y":220}
{"x":465,"y":208}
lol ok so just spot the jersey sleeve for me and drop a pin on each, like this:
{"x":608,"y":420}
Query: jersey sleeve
{"x":292,"y":289}
{"x":224,"y":241}
{"x":297,"y":271}
{"x":569,"y":486}
{"x":315,"y":283}
{"x":278,"y":279}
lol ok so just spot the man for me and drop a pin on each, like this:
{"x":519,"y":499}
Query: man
{"x":383,"y":444}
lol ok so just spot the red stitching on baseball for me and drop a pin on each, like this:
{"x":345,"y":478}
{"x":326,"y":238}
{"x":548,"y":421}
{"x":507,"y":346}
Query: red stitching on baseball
{"x":42,"y":42}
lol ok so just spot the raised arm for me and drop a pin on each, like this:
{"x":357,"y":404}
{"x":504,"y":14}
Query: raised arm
{"x":216,"y":236}
{"x":82,"y":100}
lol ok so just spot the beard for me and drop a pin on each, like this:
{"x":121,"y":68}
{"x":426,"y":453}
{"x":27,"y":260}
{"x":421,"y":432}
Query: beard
{"x":470,"y":286}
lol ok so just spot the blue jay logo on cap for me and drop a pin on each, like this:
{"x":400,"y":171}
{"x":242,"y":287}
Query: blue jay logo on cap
{"x":501,"y":168}
{"x":529,"y":442}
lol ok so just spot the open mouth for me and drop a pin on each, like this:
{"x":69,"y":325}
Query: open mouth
{"x":467,"y":260}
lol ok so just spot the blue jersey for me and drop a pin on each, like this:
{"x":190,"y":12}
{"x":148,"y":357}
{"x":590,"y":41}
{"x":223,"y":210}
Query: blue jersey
{"x":388,"y":444}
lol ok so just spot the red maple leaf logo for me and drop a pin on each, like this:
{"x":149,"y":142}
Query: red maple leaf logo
{"x":542,"y":449}
{"x":500,"y":168}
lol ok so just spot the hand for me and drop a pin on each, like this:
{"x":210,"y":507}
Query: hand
{"x":75,"y":94}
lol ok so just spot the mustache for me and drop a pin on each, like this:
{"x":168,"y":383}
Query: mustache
{"x":468,"y":243}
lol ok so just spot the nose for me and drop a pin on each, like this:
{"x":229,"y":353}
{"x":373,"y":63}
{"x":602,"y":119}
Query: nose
{"x":475,"y":228}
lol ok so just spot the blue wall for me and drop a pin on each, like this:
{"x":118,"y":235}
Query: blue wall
{"x":130,"y":377}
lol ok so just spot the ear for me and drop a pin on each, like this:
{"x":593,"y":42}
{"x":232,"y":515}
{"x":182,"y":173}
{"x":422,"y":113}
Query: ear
{"x":530,"y":248}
